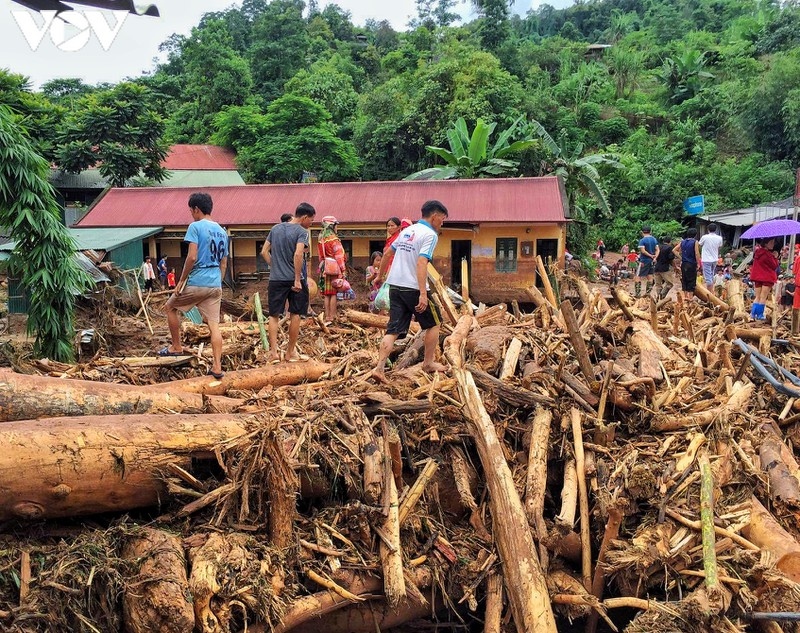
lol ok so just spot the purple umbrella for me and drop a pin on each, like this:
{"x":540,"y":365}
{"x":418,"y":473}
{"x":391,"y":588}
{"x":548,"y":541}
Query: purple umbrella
{"x":771,"y":228}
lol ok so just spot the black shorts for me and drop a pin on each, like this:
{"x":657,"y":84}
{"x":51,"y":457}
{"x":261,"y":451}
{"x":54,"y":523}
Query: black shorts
{"x":279,"y":291}
{"x":688,"y":276}
{"x":402,"y":307}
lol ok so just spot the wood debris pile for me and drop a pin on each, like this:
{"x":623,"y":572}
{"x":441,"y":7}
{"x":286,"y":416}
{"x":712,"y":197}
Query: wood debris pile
{"x":596,"y":464}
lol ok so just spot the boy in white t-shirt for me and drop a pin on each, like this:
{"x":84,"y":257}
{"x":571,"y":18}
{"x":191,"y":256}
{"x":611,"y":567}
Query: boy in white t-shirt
{"x":408,"y":260}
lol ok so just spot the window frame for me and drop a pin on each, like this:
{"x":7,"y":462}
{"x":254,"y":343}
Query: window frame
{"x":506,"y":264}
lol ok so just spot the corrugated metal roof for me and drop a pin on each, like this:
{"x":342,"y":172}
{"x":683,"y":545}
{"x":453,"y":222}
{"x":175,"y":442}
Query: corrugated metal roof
{"x":102,"y":239}
{"x":87,"y":179}
{"x":751,"y":215}
{"x":529,"y":200}
{"x":201,"y":178}
{"x":199,"y":157}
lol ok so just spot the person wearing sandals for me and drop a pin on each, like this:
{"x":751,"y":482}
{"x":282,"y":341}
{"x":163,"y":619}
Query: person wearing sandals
{"x":283,"y":251}
{"x":332,"y":265}
{"x":200,"y":283}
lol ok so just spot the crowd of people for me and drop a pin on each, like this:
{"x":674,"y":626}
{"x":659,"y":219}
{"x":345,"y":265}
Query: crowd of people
{"x":396,"y":277}
{"x":399,"y":271}
{"x":656,"y":263}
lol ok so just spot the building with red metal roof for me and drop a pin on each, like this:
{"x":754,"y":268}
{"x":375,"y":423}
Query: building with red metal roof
{"x":496,"y":226}
{"x":200,"y":157}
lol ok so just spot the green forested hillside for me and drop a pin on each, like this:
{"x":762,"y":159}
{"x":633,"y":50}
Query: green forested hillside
{"x":689,"y":97}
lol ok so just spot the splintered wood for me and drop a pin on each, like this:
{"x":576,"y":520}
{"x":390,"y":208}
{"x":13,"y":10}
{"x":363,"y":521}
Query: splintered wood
{"x":621,"y":461}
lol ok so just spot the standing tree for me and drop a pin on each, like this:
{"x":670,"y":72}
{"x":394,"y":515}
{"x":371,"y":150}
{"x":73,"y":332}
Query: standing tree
{"x":579,"y":172}
{"x":471,"y":156}
{"x":295,"y":135}
{"x":117,"y":130}
{"x":44,"y":252}
{"x":494,"y":28}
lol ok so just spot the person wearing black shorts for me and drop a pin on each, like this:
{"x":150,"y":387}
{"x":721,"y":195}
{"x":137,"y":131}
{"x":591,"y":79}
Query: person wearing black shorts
{"x":408,"y":260}
{"x":403,"y":304}
{"x":283,"y":251}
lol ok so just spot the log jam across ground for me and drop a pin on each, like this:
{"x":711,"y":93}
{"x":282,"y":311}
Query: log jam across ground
{"x":599,"y":464}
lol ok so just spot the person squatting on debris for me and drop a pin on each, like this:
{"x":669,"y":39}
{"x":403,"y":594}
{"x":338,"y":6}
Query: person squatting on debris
{"x":200,"y":283}
{"x":663,"y":269}
{"x":283,"y":251}
{"x":148,"y":274}
{"x":648,"y":253}
{"x":763,"y":274}
{"x":710,"y":244}
{"x":409,"y":256}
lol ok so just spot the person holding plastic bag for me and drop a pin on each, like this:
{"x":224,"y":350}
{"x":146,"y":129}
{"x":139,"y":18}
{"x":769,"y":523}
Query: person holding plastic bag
{"x":410,"y":254}
{"x":332,"y":265}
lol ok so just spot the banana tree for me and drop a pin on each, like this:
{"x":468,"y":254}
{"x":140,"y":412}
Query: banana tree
{"x":472,"y":155}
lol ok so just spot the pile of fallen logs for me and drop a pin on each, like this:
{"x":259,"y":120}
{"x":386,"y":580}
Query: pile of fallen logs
{"x":604,"y":463}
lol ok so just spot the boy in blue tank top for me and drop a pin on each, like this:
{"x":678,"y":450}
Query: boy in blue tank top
{"x":200,"y":283}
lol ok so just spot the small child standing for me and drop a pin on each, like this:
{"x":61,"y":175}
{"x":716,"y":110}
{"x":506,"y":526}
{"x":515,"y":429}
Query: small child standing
{"x":719,"y":284}
{"x":171,"y":279}
{"x":787,"y":295}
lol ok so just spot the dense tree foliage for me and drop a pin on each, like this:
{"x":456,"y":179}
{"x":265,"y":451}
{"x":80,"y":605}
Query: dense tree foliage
{"x":682,"y":97}
{"x":116,"y":130}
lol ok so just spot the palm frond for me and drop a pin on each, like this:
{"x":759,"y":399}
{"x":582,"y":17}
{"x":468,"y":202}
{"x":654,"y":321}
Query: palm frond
{"x":593,"y":189}
{"x":549,"y":143}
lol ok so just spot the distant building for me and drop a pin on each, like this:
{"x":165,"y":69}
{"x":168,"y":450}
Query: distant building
{"x":188,"y":166}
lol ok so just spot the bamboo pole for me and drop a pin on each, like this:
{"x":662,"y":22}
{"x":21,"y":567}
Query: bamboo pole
{"x":583,"y":495}
{"x":548,"y":288}
{"x":578,"y":344}
{"x":260,"y":318}
{"x":536,"y":482}
{"x":415,"y":492}
{"x":465,"y":280}
{"x":494,"y":604}
{"x":615,"y":517}
{"x":511,"y":359}
{"x":391,"y":553}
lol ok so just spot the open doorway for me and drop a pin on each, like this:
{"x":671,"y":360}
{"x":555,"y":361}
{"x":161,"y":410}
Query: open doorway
{"x":548,"y":251}
{"x":460,"y":250}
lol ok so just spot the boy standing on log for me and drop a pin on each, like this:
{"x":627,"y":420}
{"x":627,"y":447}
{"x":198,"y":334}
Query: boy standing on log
{"x":283,"y":251}
{"x":408,"y":259}
{"x":200,"y":284}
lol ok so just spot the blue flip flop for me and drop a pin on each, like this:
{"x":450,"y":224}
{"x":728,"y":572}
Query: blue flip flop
{"x":218,"y":376}
{"x":168,"y":352}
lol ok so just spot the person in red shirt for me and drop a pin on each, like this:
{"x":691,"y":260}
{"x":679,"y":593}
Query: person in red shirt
{"x":171,"y":279}
{"x":764,"y":275}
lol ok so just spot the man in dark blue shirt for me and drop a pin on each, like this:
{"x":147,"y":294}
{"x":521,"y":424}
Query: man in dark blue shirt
{"x":648,"y":253}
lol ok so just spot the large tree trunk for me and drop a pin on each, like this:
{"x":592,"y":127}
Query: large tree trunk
{"x":525,"y":582}
{"x":652,"y":350}
{"x":60,"y":467}
{"x":251,"y":379}
{"x":25,"y":397}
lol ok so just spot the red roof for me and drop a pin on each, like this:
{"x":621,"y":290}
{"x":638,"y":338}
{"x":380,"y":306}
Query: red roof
{"x":529,"y":200}
{"x":199,"y":157}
